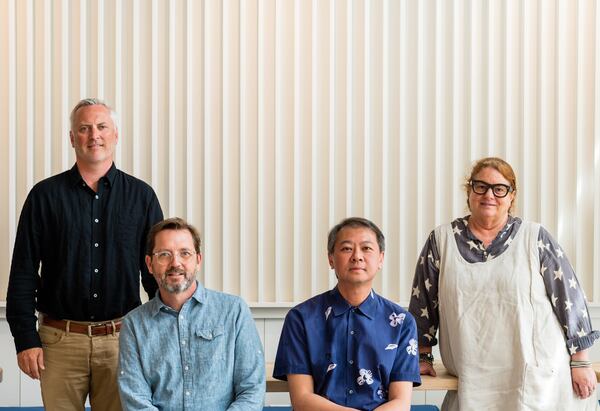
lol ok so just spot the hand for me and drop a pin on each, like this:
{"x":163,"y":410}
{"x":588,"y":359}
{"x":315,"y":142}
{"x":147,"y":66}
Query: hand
{"x":427,"y":369}
{"x":584,"y":381}
{"x":31,"y":362}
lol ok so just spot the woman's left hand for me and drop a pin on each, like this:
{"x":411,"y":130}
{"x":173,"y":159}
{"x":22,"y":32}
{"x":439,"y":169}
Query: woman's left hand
{"x":584,"y":381}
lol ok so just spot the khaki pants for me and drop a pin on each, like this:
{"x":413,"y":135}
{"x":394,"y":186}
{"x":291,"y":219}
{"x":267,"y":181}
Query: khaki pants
{"x":78,"y":365}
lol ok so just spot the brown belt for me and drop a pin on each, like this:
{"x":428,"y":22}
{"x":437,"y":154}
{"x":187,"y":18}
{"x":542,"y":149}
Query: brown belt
{"x":104,"y":328}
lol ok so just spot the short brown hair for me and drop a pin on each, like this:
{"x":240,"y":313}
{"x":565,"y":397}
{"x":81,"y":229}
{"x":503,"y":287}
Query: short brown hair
{"x":174,"y":223}
{"x":500,"y":166}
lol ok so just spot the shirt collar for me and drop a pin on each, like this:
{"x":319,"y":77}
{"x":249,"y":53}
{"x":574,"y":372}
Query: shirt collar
{"x":75,"y":176}
{"x":508,"y":227}
{"x":156,"y":304}
{"x":340,"y":306}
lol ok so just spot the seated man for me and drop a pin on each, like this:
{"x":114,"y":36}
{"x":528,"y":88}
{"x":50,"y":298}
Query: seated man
{"x":350,"y":348}
{"x":188,"y":348}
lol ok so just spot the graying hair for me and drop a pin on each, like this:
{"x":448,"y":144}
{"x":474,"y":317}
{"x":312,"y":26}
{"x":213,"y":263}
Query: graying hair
{"x":94,"y":102}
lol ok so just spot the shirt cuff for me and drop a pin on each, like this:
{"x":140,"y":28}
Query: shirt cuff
{"x":280,"y":372}
{"x":406,"y":376}
{"x":426,"y":342}
{"x":585,"y":342}
{"x":27,"y":341}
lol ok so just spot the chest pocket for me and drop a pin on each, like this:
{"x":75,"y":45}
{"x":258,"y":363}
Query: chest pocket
{"x":210,"y":344}
{"x":127,"y":234}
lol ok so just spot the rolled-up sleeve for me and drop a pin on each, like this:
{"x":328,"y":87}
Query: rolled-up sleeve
{"x":134,"y":390}
{"x":249,"y":367}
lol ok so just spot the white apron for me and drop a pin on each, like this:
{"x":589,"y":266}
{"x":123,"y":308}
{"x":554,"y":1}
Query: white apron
{"x":498,"y":332}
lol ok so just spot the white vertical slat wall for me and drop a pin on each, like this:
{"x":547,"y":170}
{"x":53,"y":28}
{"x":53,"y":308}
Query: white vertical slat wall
{"x":264,"y":122}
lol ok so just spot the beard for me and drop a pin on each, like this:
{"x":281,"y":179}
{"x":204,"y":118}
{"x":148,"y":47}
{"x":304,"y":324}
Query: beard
{"x":180,"y":287}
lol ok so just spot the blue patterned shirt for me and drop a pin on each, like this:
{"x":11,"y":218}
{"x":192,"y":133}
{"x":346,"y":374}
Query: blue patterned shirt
{"x":206,"y":356}
{"x":352,"y":353}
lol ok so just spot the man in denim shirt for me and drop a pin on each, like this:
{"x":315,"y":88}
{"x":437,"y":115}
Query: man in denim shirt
{"x":188,"y":348}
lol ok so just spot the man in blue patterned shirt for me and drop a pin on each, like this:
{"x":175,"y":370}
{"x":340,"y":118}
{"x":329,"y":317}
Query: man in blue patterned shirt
{"x":188,"y":348}
{"x":349,"y":348}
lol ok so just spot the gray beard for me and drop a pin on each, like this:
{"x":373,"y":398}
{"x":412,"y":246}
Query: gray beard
{"x":177,"y":288}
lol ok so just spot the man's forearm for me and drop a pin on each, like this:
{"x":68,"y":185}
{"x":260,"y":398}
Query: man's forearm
{"x":314,"y":402}
{"x":395,"y":405}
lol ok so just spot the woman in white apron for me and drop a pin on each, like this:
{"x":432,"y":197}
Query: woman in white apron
{"x":512,"y":318}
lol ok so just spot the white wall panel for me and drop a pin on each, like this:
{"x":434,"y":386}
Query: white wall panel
{"x":264,"y":122}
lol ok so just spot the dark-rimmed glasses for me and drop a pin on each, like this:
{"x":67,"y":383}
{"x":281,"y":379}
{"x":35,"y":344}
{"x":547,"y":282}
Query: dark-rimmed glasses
{"x":481,"y":187}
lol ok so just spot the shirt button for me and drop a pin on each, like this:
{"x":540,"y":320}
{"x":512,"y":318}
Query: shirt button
{"x":187,"y":393}
{"x":96,"y":220}
{"x":82,"y":184}
{"x":350,"y":392}
{"x":186,"y":368}
{"x":95,"y":270}
{"x":97,"y":197}
{"x":350,"y":362}
{"x":352,"y":332}
{"x":95,"y":295}
{"x":183,"y":342}
{"x":95,"y":244}
{"x":91,"y":317}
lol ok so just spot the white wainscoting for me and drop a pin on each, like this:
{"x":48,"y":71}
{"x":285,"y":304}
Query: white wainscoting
{"x":16,"y":389}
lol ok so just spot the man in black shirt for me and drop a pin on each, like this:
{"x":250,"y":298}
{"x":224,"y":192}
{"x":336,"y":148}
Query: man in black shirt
{"x":87,"y":227}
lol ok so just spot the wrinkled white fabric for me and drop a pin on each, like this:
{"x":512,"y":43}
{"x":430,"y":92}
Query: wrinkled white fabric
{"x":498,"y":332}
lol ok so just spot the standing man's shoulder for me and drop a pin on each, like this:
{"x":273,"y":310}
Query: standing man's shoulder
{"x":49,"y":184}
{"x":134,"y":183}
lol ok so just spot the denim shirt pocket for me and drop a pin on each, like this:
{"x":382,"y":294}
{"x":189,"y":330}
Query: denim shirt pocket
{"x":210,"y":344}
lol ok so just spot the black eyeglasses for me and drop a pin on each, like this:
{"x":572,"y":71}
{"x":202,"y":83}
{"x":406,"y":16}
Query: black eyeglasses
{"x":499,"y":190}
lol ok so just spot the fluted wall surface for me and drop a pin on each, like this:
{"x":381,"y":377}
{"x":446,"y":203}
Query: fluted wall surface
{"x":264,"y":122}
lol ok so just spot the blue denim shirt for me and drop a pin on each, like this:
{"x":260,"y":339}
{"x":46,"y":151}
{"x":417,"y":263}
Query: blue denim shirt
{"x":206,"y":356}
{"x":352,"y":353}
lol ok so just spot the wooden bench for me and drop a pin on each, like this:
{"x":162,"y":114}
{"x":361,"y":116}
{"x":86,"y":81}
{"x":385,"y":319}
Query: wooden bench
{"x":443,"y":382}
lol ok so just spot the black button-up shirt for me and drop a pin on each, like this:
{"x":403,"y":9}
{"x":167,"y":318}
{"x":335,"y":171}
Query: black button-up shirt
{"x":91,"y":246}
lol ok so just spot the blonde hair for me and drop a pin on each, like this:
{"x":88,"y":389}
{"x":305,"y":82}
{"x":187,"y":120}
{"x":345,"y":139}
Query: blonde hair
{"x":500,"y":166}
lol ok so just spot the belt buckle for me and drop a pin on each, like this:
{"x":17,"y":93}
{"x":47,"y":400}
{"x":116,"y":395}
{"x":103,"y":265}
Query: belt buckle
{"x":91,"y":327}
{"x":107,"y":328}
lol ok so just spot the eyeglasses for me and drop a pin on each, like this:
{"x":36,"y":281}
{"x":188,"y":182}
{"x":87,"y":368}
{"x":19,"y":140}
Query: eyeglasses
{"x":499,"y":190}
{"x":166,"y":257}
